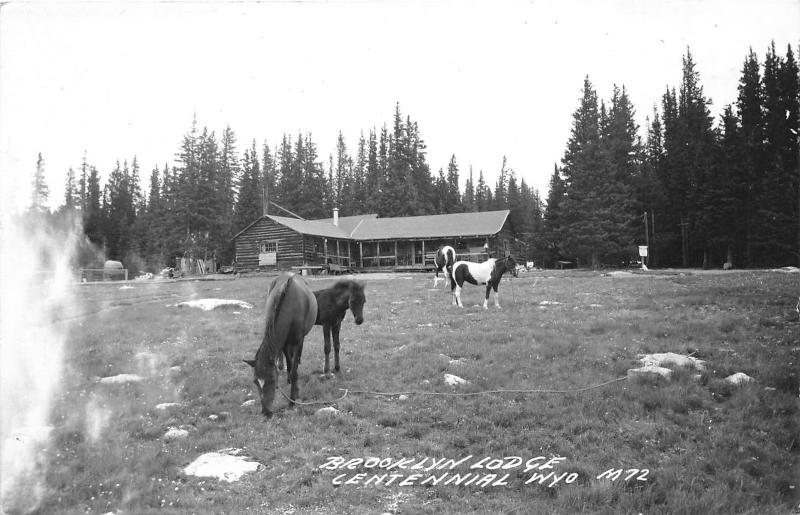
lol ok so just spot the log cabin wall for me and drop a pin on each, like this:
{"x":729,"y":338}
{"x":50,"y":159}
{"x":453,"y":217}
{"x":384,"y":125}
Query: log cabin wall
{"x":289,"y":245}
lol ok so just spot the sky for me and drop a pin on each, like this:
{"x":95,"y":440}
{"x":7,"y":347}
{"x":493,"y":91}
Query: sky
{"x":482,"y":79}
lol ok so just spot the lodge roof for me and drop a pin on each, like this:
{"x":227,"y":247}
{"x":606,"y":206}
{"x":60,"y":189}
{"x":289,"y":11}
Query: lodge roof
{"x":370,"y":227}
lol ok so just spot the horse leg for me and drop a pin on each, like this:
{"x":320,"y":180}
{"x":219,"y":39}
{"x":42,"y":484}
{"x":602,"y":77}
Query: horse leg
{"x":453,"y":292}
{"x":326,"y":332}
{"x":298,"y":351}
{"x":336,"y":328}
{"x":486,"y":299}
{"x":289,"y":360}
{"x":496,"y":296}
{"x":458,"y":296}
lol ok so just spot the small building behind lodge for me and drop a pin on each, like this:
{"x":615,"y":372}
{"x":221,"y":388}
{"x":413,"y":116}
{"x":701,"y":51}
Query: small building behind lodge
{"x":368,"y":243}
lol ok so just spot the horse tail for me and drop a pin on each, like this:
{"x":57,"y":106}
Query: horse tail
{"x":274,"y":302}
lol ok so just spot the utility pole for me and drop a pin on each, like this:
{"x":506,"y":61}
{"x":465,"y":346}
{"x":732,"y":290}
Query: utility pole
{"x":646,"y":240}
{"x":684,"y":242}
{"x":653,"y":228}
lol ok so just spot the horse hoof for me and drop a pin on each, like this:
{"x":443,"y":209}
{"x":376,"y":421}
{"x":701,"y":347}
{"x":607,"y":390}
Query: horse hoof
{"x":267,"y":414}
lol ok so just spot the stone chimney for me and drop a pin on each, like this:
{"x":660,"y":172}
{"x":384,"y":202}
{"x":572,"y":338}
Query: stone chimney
{"x":336,"y":216}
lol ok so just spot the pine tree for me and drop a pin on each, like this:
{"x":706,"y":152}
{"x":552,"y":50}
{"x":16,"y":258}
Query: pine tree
{"x":269,"y":182}
{"x":40,"y":191}
{"x":649,"y":193}
{"x":582,"y":212}
{"x":290,"y":178}
{"x":342,"y":180}
{"x":401,"y":197}
{"x":453,"y":203}
{"x":72,"y":198}
{"x":750,"y":105}
{"x":468,"y":200}
{"x":776,"y":200}
{"x":441,"y":192}
{"x":482,"y":201}
{"x":314,"y":186}
{"x":359,"y":191}
{"x":551,"y":224}
{"x":500,"y":190}
{"x":248,"y":204}
{"x":374,"y":179}
{"x":92,"y":215}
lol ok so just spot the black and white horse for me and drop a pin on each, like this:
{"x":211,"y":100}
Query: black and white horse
{"x":445,"y":258}
{"x":488,"y":273}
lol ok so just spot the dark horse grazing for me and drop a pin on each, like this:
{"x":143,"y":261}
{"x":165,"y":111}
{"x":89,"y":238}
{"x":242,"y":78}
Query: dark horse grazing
{"x":291,"y":312}
{"x":488,"y":273}
{"x":445,"y":257}
{"x":333,"y":304}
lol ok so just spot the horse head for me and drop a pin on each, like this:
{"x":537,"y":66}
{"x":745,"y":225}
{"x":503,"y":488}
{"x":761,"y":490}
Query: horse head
{"x":510,"y":265}
{"x":357,"y":301}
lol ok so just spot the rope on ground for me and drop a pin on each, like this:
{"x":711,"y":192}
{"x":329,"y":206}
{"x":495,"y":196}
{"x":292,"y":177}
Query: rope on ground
{"x":312,"y":403}
{"x":348,"y":391}
{"x":485,"y":392}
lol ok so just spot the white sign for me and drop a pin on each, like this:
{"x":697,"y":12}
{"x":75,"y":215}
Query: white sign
{"x":642,"y":250}
{"x":267,"y":258}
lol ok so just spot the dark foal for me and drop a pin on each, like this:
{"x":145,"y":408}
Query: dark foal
{"x":333,"y":304}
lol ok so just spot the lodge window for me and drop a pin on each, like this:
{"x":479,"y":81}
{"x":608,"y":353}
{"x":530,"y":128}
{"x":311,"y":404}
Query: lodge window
{"x":265,"y":247}
{"x":267,"y":253}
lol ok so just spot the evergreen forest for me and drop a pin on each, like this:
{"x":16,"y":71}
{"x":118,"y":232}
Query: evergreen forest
{"x":700,"y":191}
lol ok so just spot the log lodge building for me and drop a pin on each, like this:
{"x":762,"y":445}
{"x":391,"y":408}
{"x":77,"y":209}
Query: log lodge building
{"x":366,"y":243}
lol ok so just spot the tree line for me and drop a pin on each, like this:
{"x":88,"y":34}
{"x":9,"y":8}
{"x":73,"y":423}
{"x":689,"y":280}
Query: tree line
{"x":699,"y":193}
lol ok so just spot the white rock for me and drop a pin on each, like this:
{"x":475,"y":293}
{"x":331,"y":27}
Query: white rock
{"x":167,"y":405}
{"x":330,"y":410}
{"x":671,"y":358}
{"x":739,"y":378}
{"x":121,"y":378}
{"x":403,"y":398}
{"x":650,"y":369}
{"x":213,"y":417}
{"x":550,"y":303}
{"x":248,"y":403}
{"x":174,"y":433}
{"x":209,"y":304}
{"x":454,"y":380}
{"x":225,"y":465}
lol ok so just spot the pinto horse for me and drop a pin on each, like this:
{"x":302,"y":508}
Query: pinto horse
{"x":333,"y":305}
{"x":291,"y":312}
{"x":445,"y":257}
{"x":488,"y":273}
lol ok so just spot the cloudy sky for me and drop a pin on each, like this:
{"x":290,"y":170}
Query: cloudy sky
{"x":483,"y":79}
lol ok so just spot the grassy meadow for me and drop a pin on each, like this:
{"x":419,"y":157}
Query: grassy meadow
{"x":641,"y":445}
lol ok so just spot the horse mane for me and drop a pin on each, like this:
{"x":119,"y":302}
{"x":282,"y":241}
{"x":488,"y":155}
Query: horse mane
{"x":272,"y":316}
{"x":355,"y":287}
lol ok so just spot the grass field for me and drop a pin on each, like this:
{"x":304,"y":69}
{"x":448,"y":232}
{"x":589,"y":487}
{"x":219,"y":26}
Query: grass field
{"x":688,"y":445}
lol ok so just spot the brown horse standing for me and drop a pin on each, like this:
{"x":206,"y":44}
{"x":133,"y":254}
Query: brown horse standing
{"x":291,"y":313}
